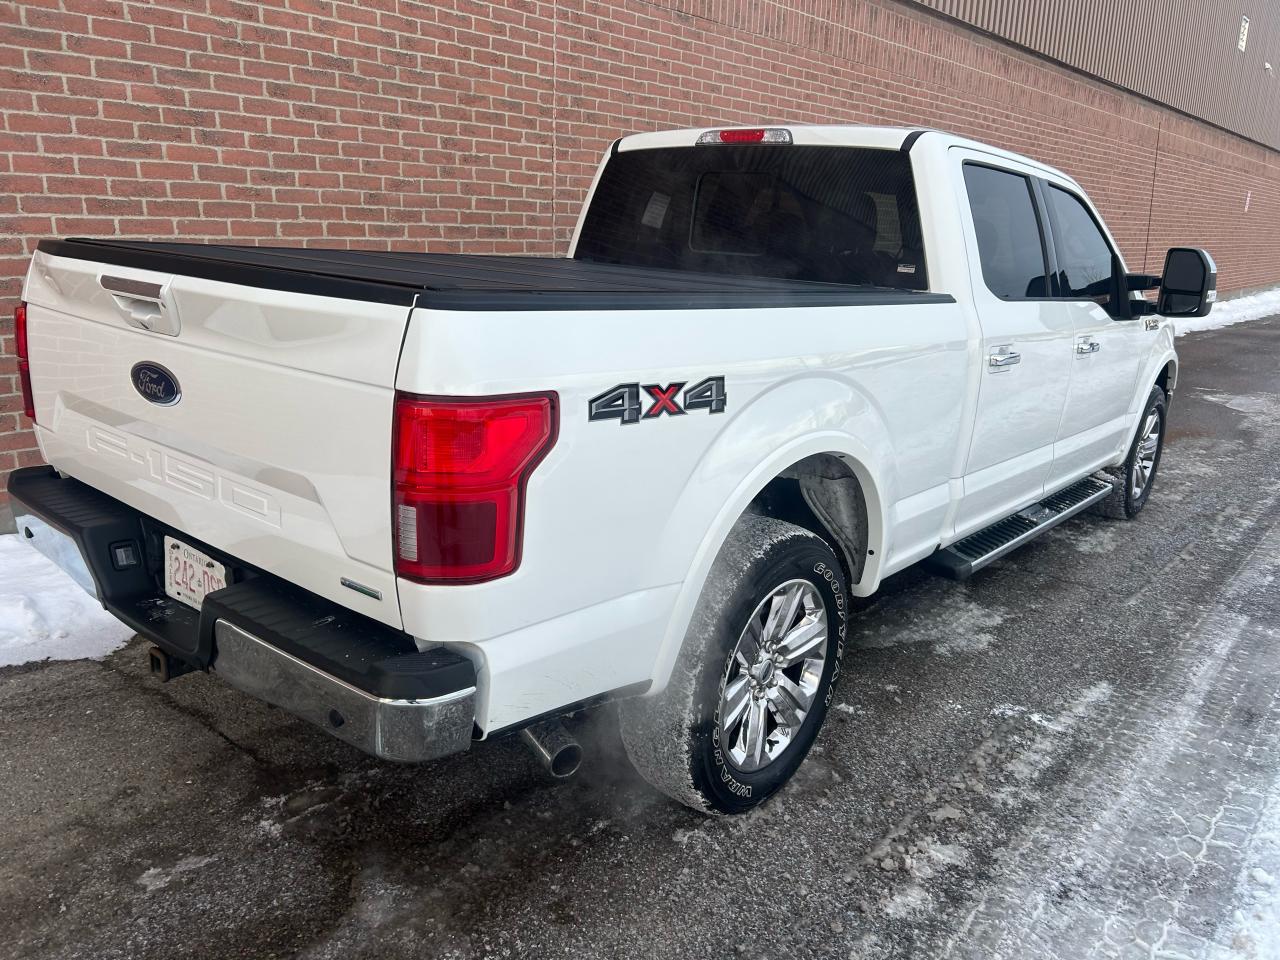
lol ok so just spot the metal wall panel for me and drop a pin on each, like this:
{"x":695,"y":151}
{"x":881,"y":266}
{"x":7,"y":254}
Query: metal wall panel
{"x":1182,"y":53}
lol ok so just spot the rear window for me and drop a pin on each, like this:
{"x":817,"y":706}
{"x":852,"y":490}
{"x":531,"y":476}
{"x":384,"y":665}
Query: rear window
{"x":824,"y":214}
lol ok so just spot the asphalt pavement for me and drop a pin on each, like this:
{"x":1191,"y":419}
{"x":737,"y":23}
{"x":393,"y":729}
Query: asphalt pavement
{"x":1074,"y":754}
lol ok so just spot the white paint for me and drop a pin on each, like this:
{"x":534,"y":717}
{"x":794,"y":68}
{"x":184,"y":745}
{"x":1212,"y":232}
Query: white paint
{"x":279,"y":452}
{"x":45,"y":615}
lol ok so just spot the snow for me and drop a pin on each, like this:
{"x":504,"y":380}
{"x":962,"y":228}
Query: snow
{"x":157,"y":878}
{"x":1255,"y":932}
{"x":951,"y":622}
{"x":45,"y":615}
{"x":1226,"y":313}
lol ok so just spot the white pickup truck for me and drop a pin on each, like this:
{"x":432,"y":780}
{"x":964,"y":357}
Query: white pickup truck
{"x":420,"y":500}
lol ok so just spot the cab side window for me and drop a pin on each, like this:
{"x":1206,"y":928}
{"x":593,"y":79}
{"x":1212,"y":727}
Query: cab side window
{"x":1086,"y":262}
{"x":1010,"y":245}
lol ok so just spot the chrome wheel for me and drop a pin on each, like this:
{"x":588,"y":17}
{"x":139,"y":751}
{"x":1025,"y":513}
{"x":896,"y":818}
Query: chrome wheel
{"x":1144,"y":460}
{"x":773,"y":675}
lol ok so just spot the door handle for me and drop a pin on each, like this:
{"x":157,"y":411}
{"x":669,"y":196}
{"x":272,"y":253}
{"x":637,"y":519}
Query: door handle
{"x":1003,"y":357}
{"x":147,"y":306}
{"x":143,"y":314}
{"x":1087,"y":345}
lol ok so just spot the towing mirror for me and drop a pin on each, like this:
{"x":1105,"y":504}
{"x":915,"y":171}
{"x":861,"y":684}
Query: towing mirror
{"x":1189,"y":284}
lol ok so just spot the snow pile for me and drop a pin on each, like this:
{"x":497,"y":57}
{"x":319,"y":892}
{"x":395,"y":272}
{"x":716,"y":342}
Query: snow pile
{"x":44,"y":614}
{"x":1255,"y":933}
{"x":1236,"y":310}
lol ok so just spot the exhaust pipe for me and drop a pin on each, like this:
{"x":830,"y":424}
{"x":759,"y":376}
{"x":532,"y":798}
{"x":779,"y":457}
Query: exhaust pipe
{"x":554,"y":747}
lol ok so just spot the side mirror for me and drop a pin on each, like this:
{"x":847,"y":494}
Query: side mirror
{"x":1189,"y":285}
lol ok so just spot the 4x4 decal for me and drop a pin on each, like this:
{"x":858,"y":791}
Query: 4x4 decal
{"x":623,"y":403}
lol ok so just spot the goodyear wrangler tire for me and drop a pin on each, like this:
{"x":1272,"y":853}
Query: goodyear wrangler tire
{"x":754,"y":677}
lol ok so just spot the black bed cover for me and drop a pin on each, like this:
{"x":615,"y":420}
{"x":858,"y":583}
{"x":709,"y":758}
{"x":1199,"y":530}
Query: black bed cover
{"x":455,"y":281}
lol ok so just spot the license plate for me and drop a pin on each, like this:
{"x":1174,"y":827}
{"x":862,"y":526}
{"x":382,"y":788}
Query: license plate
{"x":189,"y":574}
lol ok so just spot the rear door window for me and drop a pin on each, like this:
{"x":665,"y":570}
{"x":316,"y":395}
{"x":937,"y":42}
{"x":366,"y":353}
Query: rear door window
{"x":823,"y":214}
{"x":1007,"y":227}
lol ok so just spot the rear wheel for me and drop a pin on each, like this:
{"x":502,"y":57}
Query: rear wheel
{"x":1134,"y":478}
{"x":754,"y":677}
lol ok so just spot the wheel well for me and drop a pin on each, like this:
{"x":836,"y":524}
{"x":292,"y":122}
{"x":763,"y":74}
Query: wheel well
{"x":1167,"y":375}
{"x":822,"y":494}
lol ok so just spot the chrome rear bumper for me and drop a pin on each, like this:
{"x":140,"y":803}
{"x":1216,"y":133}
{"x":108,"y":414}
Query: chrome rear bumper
{"x":360,"y":681}
{"x":403,"y":730}
{"x":55,"y":545}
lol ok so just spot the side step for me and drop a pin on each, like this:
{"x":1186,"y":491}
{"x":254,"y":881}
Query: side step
{"x":977,"y":550}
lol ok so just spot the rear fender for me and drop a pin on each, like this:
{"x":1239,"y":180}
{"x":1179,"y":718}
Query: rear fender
{"x":796,"y":419}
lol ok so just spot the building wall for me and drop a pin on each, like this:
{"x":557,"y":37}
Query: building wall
{"x":469,"y":126}
{"x":1183,"y":53}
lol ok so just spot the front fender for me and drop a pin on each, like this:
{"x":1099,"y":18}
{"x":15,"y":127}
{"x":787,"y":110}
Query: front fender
{"x":1162,"y":353}
{"x":798,"y":418}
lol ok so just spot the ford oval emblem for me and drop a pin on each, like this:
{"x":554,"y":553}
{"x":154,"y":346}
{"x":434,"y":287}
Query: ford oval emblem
{"x":155,"y":383}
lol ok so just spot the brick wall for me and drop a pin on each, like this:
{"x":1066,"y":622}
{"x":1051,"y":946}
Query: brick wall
{"x":471,"y":126}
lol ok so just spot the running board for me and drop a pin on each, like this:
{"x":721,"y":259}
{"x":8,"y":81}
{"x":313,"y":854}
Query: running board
{"x":991,"y":543}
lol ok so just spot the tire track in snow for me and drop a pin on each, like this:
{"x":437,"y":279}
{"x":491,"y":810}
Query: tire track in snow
{"x":1155,"y":842}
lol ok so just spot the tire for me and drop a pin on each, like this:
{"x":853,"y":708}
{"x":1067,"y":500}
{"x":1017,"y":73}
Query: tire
{"x":685,"y":741}
{"x":1134,"y":478}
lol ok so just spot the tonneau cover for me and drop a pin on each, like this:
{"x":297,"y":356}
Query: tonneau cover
{"x":452,"y":281}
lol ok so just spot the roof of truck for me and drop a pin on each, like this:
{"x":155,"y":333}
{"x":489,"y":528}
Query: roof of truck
{"x":827,"y":135}
{"x":833,"y":135}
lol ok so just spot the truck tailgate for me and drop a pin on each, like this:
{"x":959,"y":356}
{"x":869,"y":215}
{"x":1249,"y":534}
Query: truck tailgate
{"x":278,"y":448}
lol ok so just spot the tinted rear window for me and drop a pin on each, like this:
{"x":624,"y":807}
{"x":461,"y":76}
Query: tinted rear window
{"x":826,"y":214}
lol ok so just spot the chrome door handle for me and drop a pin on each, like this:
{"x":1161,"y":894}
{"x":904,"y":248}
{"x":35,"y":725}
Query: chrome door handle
{"x":1086,"y":346}
{"x":1003,"y":357}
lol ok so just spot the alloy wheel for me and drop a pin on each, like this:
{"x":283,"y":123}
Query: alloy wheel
{"x":773,"y":675}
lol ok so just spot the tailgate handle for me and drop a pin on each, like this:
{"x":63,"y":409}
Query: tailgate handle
{"x":143,"y":304}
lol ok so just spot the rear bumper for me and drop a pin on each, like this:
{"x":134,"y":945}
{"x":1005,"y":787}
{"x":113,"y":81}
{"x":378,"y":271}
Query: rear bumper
{"x":405,"y":730}
{"x":357,"y":679}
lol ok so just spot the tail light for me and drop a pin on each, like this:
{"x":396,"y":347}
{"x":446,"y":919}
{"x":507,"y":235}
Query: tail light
{"x":24,"y":366}
{"x":747,"y":135}
{"x":460,"y":467}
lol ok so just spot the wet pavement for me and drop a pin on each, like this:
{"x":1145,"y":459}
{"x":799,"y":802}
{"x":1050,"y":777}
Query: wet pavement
{"x":1075,"y":754}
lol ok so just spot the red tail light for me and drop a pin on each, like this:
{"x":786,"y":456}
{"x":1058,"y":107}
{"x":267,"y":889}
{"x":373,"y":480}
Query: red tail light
{"x":742,"y":136}
{"x":24,"y":367}
{"x":459,"y":472}
{"x":747,"y":135}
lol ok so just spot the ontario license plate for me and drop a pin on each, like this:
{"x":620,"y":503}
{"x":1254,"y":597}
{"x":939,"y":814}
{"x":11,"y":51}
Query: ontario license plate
{"x":189,"y":574}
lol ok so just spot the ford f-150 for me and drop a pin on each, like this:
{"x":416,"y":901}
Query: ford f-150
{"x":422,"y":499}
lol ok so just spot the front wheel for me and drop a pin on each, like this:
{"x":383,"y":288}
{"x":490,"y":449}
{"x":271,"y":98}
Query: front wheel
{"x":754,"y":677}
{"x":1135,"y":477}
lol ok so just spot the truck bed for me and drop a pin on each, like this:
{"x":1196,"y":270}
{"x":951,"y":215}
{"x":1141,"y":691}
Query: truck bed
{"x":452,"y":281}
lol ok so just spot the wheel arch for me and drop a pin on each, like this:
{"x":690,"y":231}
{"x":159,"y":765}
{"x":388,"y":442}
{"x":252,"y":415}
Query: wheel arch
{"x":837,"y":453}
{"x":823,"y":494}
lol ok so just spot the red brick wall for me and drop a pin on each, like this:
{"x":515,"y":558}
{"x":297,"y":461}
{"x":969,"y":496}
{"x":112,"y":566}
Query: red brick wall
{"x":471,"y":126}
